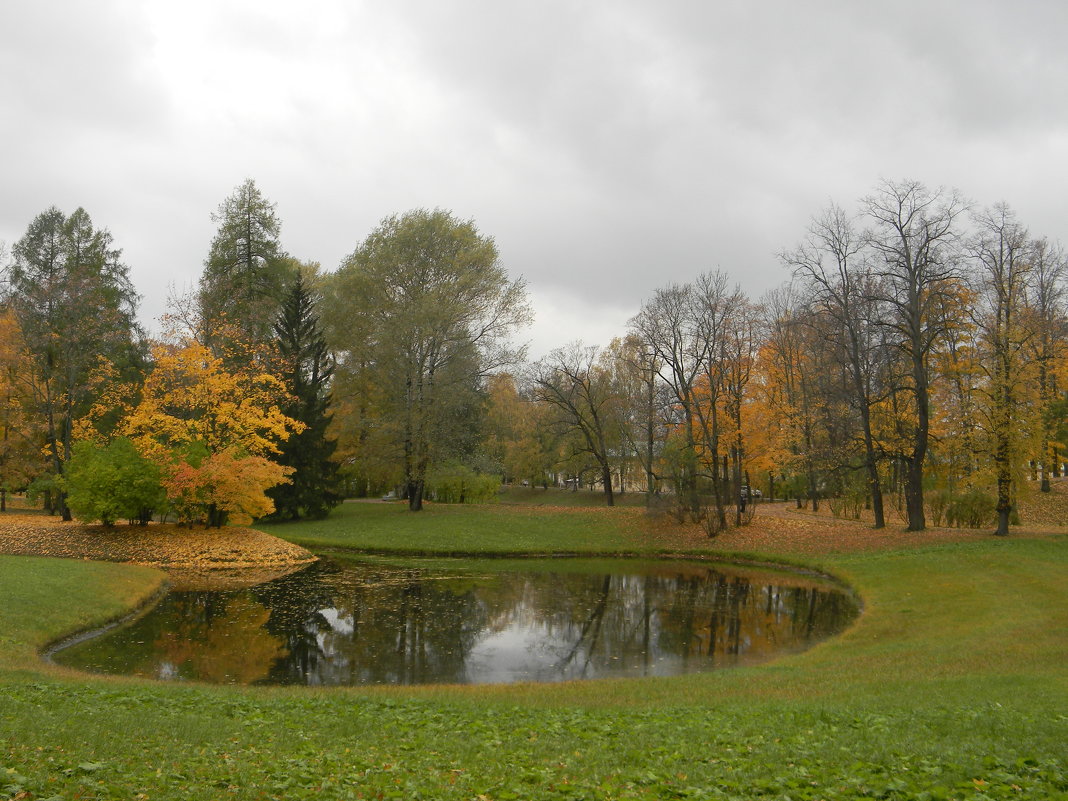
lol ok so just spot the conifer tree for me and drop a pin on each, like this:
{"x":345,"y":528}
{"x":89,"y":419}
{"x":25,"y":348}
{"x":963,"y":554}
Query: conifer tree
{"x":306,"y":372}
{"x":75,"y":305}
{"x":246,"y":272}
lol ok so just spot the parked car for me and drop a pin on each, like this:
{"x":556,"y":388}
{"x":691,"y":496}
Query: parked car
{"x":751,"y":492}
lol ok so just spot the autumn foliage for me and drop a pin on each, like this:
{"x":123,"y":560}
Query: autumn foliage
{"x":211,"y":431}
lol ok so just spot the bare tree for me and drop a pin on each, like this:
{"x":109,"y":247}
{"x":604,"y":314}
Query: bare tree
{"x":570,"y":380}
{"x":915,"y":234}
{"x":713,"y":307}
{"x":831,"y":262}
{"x":666,"y":325}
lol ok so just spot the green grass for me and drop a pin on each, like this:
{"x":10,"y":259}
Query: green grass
{"x":43,"y":599}
{"x":489,"y":529}
{"x":952,"y":684}
{"x":555,"y":496}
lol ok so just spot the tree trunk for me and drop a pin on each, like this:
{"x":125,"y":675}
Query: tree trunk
{"x":914,"y":511}
{"x":1004,"y":506}
{"x":875,"y":491}
{"x":415,"y":495}
{"x":606,"y":478}
{"x":871,"y":458}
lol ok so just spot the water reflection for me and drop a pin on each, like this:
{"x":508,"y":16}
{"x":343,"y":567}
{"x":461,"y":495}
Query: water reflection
{"x":346,"y":623}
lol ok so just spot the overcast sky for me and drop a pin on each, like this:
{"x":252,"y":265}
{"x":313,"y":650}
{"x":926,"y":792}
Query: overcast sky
{"x":610,"y":147}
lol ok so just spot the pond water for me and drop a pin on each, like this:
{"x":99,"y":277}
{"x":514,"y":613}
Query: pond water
{"x":341,"y":622}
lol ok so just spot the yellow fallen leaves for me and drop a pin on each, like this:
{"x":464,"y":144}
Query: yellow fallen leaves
{"x":157,"y":545}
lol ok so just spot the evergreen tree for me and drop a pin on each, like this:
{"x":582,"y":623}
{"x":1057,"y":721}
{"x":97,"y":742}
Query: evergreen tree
{"x":306,"y":371}
{"x":246,"y":272}
{"x":75,"y":306}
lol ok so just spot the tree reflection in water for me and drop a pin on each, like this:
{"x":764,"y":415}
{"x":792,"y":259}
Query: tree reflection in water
{"x":350,"y":623}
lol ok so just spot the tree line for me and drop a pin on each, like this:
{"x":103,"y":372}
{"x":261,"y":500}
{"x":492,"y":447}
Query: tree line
{"x":917,"y":352}
{"x":913,"y":361}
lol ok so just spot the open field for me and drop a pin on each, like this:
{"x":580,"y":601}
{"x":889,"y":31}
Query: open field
{"x":952,"y":684}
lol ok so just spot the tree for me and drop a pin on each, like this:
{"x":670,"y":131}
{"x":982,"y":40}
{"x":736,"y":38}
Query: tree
{"x":21,"y":432}
{"x":212,"y":432}
{"x":714,"y":308}
{"x":789,"y":366}
{"x":684,"y":332}
{"x":669,"y":333}
{"x":246,"y":272}
{"x":1047,"y":315}
{"x":305,"y":371}
{"x":843,"y":290}
{"x":431,"y":311}
{"x":741,"y":341}
{"x":516,"y":432}
{"x":643,"y":404}
{"x":74,"y":303}
{"x":114,"y":481}
{"x":1002,"y":252}
{"x":915,"y":234}
{"x":571,"y":380}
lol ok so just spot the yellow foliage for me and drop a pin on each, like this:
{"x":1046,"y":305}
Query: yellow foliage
{"x":211,"y":431}
{"x":191,"y":398}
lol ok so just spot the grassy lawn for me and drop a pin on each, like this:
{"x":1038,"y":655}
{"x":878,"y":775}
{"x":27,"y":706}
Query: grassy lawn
{"x":555,"y":496}
{"x":952,"y":684}
{"x":491,"y":529}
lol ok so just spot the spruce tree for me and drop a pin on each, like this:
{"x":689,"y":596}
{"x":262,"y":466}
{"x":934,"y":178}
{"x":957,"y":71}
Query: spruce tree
{"x":306,"y":371}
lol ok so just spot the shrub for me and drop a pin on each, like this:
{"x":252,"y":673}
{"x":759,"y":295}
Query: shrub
{"x":938,"y":503}
{"x":112,"y":482}
{"x":460,"y":484}
{"x":972,"y":509}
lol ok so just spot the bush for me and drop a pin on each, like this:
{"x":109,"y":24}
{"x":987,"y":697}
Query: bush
{"x":938,"y":503}
{"x":460,"y":484}
{"x":851,"y":498}
{"x":109,"y":483}
{"x":972,"y":509}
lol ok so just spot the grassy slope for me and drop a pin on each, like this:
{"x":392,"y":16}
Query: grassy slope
{"x":952,"y":684}
{"x":43,"y":599}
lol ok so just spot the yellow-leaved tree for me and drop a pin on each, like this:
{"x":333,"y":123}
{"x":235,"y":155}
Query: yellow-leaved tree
{"x":212,"y":432}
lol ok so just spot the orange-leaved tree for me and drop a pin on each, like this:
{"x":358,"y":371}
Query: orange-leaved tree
{"x":212,"y":431}
{"x":22,"y":433}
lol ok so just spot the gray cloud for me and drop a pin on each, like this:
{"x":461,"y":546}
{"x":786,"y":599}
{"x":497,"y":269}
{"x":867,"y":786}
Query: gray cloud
{"x":609,"y":147}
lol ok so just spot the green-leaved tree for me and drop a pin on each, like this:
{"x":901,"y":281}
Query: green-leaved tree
{"x":423,"y":309}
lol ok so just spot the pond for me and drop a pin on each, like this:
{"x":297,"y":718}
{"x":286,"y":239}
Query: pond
{"x":345,"y":622}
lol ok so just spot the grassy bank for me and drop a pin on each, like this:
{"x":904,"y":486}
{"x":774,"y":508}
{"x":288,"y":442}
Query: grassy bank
{"x":952,"y":684}
{"x":491,"y":529}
